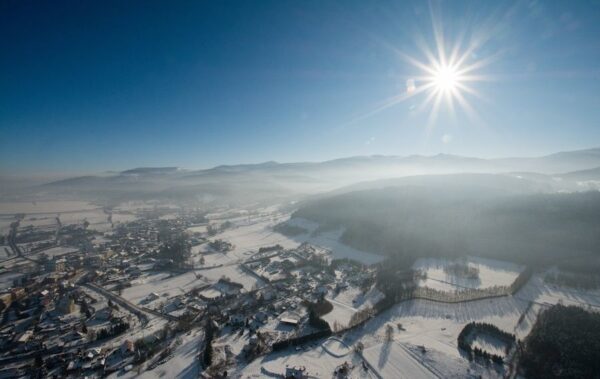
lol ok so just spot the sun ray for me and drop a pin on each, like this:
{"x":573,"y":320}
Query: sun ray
{"x":447,"y":71}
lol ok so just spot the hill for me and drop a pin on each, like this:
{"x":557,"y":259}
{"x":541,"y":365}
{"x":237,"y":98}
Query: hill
{"x":452,"y":216}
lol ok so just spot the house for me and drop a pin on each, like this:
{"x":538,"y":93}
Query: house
{"x":321,"y":291}
{"x":228,"y":287}
{"x":24,"y":337}
{"x":289,"y":321}
{"x":104,"y":314}
{"x":56,"y":265}
{"x":268,"y":294}
{"x":94,"y":260}
{"x":66,"y":305}
{"x":295,"y":372}
{"x":237,"y":319}
{"x":152,"y":296}
{"x":261,"y":316}
{"x":127,"y":347}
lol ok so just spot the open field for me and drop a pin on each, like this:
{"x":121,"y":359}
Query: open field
{"x":164,"y":284}
{"x":490,"y":273}
{"x":391,"y":360}
{"x":41,"y":207}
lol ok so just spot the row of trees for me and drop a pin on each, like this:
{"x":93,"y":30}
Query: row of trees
{"x":112,"y":331}
{"x":207,"y":354}
{"x":398,"y":285}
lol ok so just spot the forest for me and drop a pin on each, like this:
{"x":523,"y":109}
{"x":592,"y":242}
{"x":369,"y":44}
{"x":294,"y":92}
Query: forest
{"x":413,"y":221}
{"x":564,"y":343}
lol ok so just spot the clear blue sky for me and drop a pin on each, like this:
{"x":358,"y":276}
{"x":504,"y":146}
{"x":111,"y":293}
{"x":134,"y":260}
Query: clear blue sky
{"x":100,"y":85}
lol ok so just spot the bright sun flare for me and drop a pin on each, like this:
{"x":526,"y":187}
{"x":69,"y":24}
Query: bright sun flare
{"x":447,"y":73}
{"x":446,"y":79}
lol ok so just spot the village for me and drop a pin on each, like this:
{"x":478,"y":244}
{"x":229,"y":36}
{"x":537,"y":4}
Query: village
{"x":79,"y":302}
{"x":176,"y":293}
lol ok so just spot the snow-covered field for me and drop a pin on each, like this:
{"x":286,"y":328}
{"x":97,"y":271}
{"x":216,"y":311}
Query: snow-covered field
{"x":252,"y":236}
{"x":336,"y":347}
{"x":97,"y":218}
{"x":163,"y":284}
{"x":392,"y":360}
{"x":45,"y":221}
{"x":491,"y":273}
{"x":348,"y":302}
{"x":200,"y":252}
{"x":235,"y":273}
{"x":252,"y":233}
{"x":40,"y":207}
{"x":542,"y":293}
{"x":55,"y":251}
{"x":331,"y":241}
{"x":185,"y":363}
{"x":197,"y":229}
{"x":318,"y":362}
{"x":6,"y":252}
{"x":123,"y":217}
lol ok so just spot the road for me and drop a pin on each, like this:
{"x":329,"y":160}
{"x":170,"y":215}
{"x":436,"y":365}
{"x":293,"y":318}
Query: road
{"x":13,"y":245}
{"x":140,"y":312}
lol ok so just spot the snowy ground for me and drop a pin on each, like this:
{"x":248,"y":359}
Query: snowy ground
{"x":391,"y":360}
{"x":184,"y":364}
{"x":235,"y":273}
{"x":197,"y":229}
{"x":254,"y":232}
{"x":491,"y":273}
{"x":253,"y":235}
{"x":123,"y":217}
{"x":55,"y":251}
{"x":435,"y":324}
{"x":330,"y":241}
{"x":97,"y":218}
{"x":164,"y":284}
{"x":6,"y":252}
{"x":211,"y":258}
{"x":40,"y":207}
{"x":43,"y":222}
{"x":318,"y":362}
{"x":545,"y":294}
{"x":348,"y":302}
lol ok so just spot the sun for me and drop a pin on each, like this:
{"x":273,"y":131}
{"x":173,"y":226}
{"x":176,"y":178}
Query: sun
{"x":443,"y":73}
{"x":446,"y":79}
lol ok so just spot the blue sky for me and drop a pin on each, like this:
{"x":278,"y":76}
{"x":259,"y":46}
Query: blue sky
{"x":92,"y":86}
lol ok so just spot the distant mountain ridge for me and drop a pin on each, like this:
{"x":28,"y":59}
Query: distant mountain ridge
{"x":273,"y":179}
{"x":578,"y":160}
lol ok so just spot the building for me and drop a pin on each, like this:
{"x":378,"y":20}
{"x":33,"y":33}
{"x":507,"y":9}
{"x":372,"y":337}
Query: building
{"x":237,"y":319}
{"x":56,"y":264}
{"x":66,"y":305}
{"x":295,"y":372}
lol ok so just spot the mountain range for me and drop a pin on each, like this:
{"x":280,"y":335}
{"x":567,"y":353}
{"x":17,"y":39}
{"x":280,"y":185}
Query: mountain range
{"x":571,"y":170}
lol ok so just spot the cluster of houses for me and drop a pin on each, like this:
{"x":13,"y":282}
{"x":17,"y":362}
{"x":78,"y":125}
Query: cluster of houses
{"x":61,"y":308}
